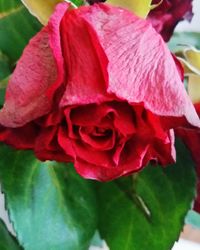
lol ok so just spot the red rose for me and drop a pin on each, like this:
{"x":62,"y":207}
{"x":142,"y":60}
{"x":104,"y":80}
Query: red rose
{"x":191,"y":137}
{"x":166,"y":16}
{"x":97,"y":87}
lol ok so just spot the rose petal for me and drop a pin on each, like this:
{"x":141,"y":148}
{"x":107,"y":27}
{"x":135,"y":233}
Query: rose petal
{"x":65,"y":142}
{"x":54,"y":26}
{"x":17,"y":137}
{"x":102,"y":173}
{"x":35,"y":72}
{"x":102,"y":143}
{"x":90,"y":115}
{"x":52,"y":119}
{"x":25,"y":95}
{"x":47,"y":148}
{"x":141,"y":68}
{"x":90,"y":155}
{"x":124,"y":118}
{"x":85,"y":61}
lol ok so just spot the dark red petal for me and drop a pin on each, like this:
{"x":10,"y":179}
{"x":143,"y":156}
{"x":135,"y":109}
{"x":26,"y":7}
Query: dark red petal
{"x":191,"y":138}
{"x":52,"y":119}
{"x":47,"y":148}
{"x":91,"y":155}
{"x":103,"y":173}
{"x":102,"y":143}
{"x":197,"y":201}
{"x":90,"y":115}
{"x":168,"y":14}
{"x":65,"y":142}
{"x":20,"y":138}
{"x":124,"y":118}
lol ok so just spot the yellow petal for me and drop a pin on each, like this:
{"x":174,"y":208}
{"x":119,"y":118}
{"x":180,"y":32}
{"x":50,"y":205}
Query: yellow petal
{"x":194,"y":88}
{"x":139,"y":7}
{"x":188,"y":67}
{"x":192,"y":56}
{"x":42,"y":9}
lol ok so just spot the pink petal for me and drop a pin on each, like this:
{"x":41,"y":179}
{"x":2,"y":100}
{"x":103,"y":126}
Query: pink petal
{"x":140,"y":66}
{"x":35,"y":72}
{"x":85,"y":61}
{"x":54,"y":26}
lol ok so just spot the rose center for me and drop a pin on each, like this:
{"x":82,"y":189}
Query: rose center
{"x":98,"y":132}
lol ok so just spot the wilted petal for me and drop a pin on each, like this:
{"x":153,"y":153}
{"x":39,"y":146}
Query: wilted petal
{"x":103,"y":173}
{"x":141,"y":68}
{"x":37,"y":70}
{"x":20,"y":138}
{"x":84,"y":59}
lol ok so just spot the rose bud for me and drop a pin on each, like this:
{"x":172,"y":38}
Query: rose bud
{"x":168,"y":14}
{"x":97,"y":87}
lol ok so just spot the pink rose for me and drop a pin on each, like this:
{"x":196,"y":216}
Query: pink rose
{"x":168,"y":14}
{"x":97,"y":87}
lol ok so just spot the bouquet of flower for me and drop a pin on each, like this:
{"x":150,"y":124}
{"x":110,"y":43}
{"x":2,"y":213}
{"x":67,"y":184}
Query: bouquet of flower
{"x":99,"y":125}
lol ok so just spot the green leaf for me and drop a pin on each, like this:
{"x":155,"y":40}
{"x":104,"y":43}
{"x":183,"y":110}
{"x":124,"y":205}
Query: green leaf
{"x":179,"y":40}
{"x":77,"y":2}
{"x":17,"y":26}
{"x":8,"y":6}
{"x":4,"y":67}
{"x":5,"y":71}
{"x":2,"y":95}
{"x":51,"y":207}
{"x":193,"y":219}
{"x":150,"y":213}
{"x":7,"y":241}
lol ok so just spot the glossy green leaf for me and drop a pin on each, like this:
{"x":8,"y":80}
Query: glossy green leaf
{"x":2,"y":96}
{"x":4,"y":66}
{"x":7,"y":241}
{"x":77,"y":2}
{"x":3,"y":85}
{"x":51,"y":207}
{"x":7,"y":7}
{"x":5,"y":71}
{"x":180,"y":39}
{"x":148,"y":213}
{"x":17,"y":26}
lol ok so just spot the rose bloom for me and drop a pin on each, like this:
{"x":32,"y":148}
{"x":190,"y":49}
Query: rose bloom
{"x":97,"y":87}
{"x":168,"y":14}
{"x":191,"y":137}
